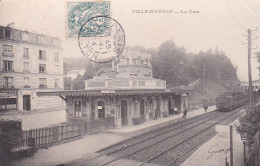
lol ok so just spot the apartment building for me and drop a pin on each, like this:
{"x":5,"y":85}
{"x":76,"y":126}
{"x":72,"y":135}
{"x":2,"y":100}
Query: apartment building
{"x":29,"y":63}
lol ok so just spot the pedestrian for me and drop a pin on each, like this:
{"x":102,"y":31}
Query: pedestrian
{"x":156,"y":114}
{"x":227,"y":164}
{"x":173,"y":111}
{"x":205,"y":106}
{"x":184,"y":114}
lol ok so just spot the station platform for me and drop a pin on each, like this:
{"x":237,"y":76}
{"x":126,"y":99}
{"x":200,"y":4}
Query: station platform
{"x":216,"y":150}
{"x":155,"y":124}
{"x":91,"y":143}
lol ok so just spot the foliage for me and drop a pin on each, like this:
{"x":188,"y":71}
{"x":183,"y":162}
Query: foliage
{"x":67,"y":83}
{"x":79,"y":83}
{"x":251,"y":119}
{"x":178,"y":67}
{"x":76,"y":84}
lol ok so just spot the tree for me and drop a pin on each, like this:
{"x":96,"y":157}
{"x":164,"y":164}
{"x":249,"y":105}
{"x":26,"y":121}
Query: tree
{"x":171,"y":64}
{"x":67,"y":83}
{"x":78,"y":83}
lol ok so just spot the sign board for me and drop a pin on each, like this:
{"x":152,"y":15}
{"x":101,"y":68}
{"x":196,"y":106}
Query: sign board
{"x":99,"y":107}
{"x":5,"y":93}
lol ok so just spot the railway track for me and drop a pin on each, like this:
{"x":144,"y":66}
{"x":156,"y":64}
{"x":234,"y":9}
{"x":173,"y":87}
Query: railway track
{"x":128,"y":143}
{"x":165,"y":146}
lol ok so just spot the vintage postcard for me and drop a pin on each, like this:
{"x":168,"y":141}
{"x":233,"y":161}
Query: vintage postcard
{"x":129,"y":82}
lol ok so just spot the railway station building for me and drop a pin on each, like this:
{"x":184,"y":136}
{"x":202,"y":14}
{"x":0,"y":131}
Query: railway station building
{"x":127,"y":92}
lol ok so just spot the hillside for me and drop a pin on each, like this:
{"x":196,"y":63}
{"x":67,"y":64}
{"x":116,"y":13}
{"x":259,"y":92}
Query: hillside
{"x":212,"y":90}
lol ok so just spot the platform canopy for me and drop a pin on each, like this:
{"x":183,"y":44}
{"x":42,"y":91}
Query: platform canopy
{"x":113,"y":92}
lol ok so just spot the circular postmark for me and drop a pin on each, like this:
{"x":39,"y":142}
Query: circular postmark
{"x":101,"y":39}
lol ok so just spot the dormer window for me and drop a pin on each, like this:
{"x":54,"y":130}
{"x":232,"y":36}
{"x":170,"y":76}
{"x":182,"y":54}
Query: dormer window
{"x":41,"y":39}
{"x":7,"y":33}
{"x":25,"y":36}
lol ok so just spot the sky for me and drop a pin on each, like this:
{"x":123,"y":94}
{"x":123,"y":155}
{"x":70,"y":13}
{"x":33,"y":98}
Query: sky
{"x":217,"y":23}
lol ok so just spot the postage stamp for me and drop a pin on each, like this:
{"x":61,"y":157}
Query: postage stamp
{"x":101,"y":39}
{"x":79,"y":12}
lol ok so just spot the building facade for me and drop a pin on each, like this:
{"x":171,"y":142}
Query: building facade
{"x":135,"y":63}
{"x":126,"y":95}
{"x":30,"y":62}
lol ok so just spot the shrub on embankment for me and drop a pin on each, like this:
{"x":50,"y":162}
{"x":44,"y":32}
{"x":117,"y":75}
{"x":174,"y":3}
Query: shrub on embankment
{"x":251,"y":122}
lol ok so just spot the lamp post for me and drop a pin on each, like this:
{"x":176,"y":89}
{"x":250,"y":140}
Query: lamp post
{"x":242,"y":132}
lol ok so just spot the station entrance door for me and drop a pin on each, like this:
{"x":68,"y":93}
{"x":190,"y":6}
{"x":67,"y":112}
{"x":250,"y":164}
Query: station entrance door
{"x":124,"y":113}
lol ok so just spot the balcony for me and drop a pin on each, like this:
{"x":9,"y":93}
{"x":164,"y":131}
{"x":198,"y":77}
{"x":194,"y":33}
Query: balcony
{"x":42,"y":86}
{"x":8,"y":86}
{"x":11,"y":70}
{"x":42,"y":72}
{"x":8,"y":54}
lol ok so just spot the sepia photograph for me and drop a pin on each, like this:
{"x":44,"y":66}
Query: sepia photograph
{"x":129,"y":83}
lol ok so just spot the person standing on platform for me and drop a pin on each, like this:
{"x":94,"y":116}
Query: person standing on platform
{"x":156,"y":114}
{"x":205,"y":106}
{"x":184,"y":114}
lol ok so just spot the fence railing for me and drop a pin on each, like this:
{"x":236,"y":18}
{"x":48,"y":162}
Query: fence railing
{"x":254,"y":157}
{"x":44,"y":137}
{"x":251,"y":159}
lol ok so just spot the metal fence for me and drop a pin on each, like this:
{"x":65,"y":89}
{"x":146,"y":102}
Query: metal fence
{"x":254,"y":157}
{"x":44,"y":137}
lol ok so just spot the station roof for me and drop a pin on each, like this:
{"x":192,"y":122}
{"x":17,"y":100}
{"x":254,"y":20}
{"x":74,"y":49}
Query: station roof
{"x":118,"y":92}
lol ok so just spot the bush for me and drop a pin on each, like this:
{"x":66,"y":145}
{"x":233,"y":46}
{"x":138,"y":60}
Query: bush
{"x":250,"y":120}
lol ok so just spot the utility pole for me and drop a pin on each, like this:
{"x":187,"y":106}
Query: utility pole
{"x":249,"y":68}
{"x":249,"y":43}
{"x":204,"y":75}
